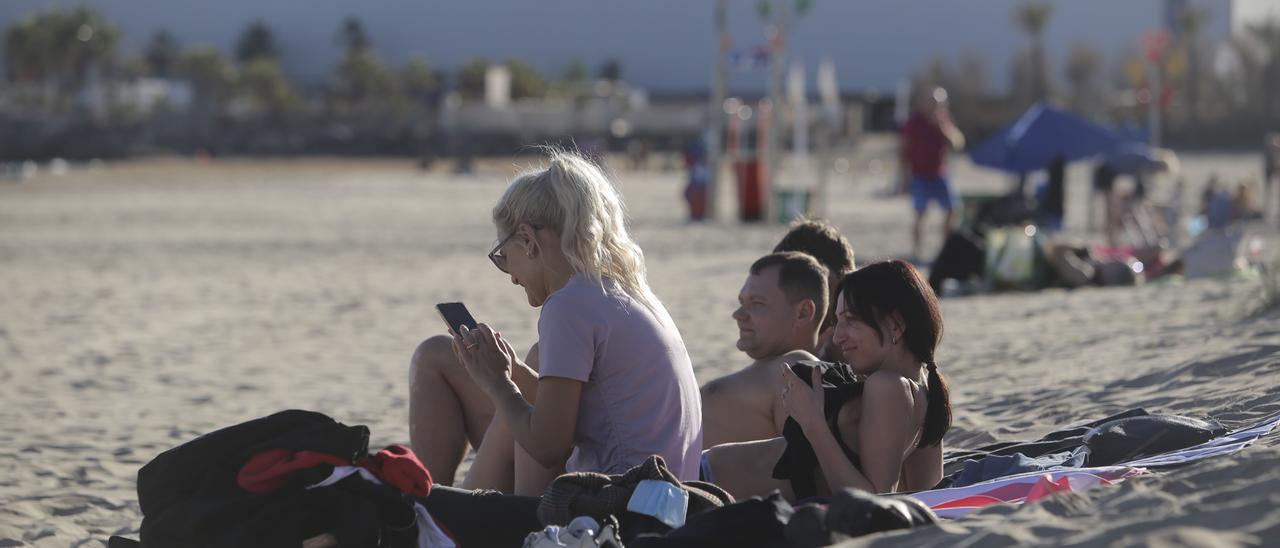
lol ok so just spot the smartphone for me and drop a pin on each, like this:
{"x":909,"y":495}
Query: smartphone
{"x":456,"y":315}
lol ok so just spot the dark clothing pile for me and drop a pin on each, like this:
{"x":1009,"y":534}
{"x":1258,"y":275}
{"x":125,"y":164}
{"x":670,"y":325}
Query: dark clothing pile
{"x":771,"y":521}
{"x":1113,"y":440}
{"x":599,"y":496}
{"x":254,"y":484}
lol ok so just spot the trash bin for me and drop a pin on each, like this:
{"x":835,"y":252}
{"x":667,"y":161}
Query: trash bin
{"x":750,"y":191}
{"x":790,"y":204}
{"x":696,"y":196}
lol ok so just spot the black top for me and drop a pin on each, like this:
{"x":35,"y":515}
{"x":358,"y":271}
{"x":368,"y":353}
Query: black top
{"x":799,"y":463}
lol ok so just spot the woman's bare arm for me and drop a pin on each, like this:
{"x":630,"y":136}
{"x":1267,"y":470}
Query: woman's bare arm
{"x":922,"y":469}
{"x":545,"y":430}
{"x":886,"y":430}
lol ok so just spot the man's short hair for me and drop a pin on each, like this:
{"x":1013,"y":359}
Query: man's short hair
{"x":800,"y":277}
{"x":823,"y":241}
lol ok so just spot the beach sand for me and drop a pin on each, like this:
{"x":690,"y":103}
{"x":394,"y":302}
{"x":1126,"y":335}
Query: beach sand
{"x":145,"y":303}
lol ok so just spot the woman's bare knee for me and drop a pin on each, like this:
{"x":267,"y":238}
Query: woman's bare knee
{"x":434,"y":356}
{"x":434,"y":364}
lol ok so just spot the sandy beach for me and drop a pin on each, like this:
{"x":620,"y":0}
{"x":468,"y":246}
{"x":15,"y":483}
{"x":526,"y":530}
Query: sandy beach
{"x":144,"y":303}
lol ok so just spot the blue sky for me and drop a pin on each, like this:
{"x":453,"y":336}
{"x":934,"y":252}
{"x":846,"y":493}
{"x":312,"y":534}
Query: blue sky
{"x":663,"y":44}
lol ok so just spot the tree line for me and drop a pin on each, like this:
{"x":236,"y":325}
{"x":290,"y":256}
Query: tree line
{"x":1210,"y":94}
{"x":52,"y":56}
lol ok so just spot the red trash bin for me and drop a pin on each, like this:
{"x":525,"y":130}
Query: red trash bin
{"x":750,"y":191}
{"x":696,"y":196}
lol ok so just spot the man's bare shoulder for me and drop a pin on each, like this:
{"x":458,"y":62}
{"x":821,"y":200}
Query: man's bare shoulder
{"x":759,"y":377}
{"x":775,"y":364}
{"x":730,"y":384}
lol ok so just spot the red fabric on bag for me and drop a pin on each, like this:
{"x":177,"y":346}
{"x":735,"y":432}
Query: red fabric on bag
{"x":266,"y":471}
{"x":398,"y":466}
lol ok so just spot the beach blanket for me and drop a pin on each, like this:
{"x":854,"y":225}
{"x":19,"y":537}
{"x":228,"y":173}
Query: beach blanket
{"x":957,"y":501}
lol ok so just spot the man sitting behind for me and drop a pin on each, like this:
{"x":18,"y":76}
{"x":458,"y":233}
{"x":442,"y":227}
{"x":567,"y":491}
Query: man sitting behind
{"x":822,"y":240}
{"x":781,"y":308}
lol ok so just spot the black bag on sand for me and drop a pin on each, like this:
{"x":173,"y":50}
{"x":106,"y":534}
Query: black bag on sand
{"x":189,"y":495}
{"x":599,"y":496}
{"x":962,"y":257}
{"x":854,"y":513}
{"x":772,"y":521}
{"x":755,"y":521}
{"x":1065,"y":439}
{"x":1136,"y":437}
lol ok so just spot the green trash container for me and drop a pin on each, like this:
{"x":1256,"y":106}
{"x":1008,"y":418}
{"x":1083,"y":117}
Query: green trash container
{"x":790,"y":204}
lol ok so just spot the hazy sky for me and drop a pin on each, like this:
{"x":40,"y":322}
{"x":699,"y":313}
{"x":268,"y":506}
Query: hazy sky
{"x":663,"y":44}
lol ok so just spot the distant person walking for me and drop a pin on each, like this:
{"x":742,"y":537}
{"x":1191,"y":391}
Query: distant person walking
{"x":927,"y":136}
{"x":699,"y":176}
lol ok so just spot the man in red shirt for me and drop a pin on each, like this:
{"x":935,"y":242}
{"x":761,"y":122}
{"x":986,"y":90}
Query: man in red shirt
{"x":927,"y":136}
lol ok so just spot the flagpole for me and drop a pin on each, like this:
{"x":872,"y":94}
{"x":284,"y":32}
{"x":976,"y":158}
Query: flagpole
{"x":715,"y":108}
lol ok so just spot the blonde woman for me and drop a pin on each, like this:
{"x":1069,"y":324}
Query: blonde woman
{"x":614,"y":383}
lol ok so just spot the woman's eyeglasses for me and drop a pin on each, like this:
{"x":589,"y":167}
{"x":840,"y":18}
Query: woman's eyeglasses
{"x":498,"y":257}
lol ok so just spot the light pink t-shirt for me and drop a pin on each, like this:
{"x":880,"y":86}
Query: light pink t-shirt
{"x":640,"y":397}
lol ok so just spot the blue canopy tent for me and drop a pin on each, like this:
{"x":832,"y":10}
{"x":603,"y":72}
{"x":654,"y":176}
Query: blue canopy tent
{"x":1044,"y":137}
{"x":1131,"y":158}
{"x":1041,"y":135}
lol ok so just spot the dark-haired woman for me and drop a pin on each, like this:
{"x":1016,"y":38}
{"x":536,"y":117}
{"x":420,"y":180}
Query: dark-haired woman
{"x":887,"y":433}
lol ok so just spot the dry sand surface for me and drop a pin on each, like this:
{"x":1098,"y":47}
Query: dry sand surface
{"x":145,"y":303}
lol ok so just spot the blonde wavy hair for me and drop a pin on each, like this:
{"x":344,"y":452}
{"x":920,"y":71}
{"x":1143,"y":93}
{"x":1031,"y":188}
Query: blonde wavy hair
{"x":573,"y":196}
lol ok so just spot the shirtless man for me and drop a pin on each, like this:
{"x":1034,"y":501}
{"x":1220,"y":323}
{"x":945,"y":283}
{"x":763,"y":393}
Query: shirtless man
{"x":781,"y":309}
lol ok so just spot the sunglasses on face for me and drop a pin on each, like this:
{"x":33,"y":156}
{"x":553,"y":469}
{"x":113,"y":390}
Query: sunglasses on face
{"x":498,"y":257}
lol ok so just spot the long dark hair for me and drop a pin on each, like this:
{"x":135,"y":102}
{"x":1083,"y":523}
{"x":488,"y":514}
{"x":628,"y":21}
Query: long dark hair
{"x":875,"y":292}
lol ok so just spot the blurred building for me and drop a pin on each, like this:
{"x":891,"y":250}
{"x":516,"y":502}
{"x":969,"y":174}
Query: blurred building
{"x":1244,"y":12}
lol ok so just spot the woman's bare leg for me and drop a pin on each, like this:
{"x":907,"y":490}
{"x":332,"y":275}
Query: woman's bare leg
{"x":446,"y":408}
{"x":532,"y":478}
{"x":500,"y":462}
{"x":494,"y":465}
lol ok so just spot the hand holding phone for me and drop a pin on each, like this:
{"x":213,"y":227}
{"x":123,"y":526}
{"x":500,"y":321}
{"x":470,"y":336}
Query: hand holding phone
{"x":456,"y":315}
{"x":487,"y":357}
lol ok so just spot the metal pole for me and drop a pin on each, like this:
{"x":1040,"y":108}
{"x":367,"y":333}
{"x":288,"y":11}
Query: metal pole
{"x":1154,"y":96}
{"x":715,"y":108}
{"x":777,"y":61}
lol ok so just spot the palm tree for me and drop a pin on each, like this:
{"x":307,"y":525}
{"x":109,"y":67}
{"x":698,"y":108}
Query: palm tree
{"x":526,"y":81}
{"x":352,"y":35}
{"x":58,"y":48}
{"x":212,"y":79}
{"x":471,"y":76}
{"x":1084,"y":64}
{"x":256,"y":41}
{"x":610,"y":70}
{"x":1033,"y":17}
{"x":161,"y":54}
{"x":419,"y":81}
{"x":363,"y":82}
{"x":267,"y":91}
{"x":211,"y":76}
